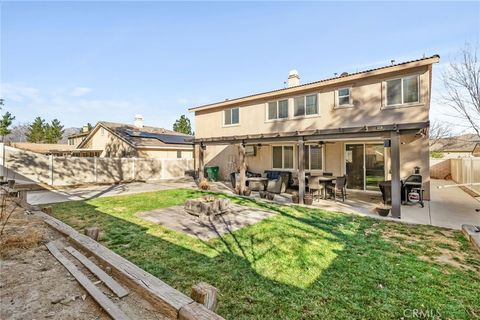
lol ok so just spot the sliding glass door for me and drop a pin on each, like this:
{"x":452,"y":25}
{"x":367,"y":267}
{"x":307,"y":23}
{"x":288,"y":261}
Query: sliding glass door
{"x":364,"y":165}
{"x":354,"y":166}
{"x":374,"y":166}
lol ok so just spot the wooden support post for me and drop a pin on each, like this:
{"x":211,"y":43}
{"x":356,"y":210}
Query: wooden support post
{"x":200,"y":162}
{"x":301,"y":171}
{"x":92,"y":233}
{"x":243,"y":167}
{"x":205,"y":294}
{"x":395,"y":169}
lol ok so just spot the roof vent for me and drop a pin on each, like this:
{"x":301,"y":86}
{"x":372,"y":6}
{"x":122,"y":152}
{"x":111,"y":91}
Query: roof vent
{"x":343,"y":74}
{"x":293,"y":78}
{"x":138,"y":123}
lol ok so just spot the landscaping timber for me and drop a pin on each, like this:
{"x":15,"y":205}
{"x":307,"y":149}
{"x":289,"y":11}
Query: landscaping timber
{"x":96,"y":294}
{"x":472,"y":235}
{"x":92,"y":232}
{"x":168,"y":300}
{"x":99,"y":273}
{"x":205,"y":294}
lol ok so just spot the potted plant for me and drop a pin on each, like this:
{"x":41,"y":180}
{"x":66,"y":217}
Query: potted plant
{"x":270,"y":195}
{"x":383,"y":210}
{"x":263,"y":194}
{"x":308,"y":199}
{"x":247,"y":191}
{"x":295,"y":198}
{"x":204,"y":185}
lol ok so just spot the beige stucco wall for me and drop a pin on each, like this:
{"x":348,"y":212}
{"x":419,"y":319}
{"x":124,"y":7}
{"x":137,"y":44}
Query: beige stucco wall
{"x":165,"y":153}
{"x":368,"y":97}
{"x":111,"y":145}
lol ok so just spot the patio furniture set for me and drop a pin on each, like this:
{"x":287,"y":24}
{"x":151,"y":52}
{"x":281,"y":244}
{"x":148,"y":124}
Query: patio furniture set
{"x":275,"y":182}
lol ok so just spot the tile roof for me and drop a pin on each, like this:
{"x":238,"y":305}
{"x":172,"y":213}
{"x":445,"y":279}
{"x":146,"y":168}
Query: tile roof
{"x":343,"y":75}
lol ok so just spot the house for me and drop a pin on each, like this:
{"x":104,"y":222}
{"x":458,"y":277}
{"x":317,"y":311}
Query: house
{"x":461,"y":146}
{"x":77,"y":138}
{"x":113,"y":140}
{"x":370,"y":125}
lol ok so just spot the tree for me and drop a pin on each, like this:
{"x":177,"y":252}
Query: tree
{"x":36,"y":131}
{"x":183,"y":125}
{"x":461,"y":82}
{"x":89,"y":127}
{"x":53,"y":131}
{"x":438,"y":130}
{"x":5,"y":123}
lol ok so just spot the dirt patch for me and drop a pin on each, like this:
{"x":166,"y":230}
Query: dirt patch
{"x":439,"y":245}
{"x":34,"y":285}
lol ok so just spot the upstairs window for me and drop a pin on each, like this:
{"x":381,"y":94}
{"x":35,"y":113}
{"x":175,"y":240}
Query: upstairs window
{"x":343,"y":97}
{"x":231,"y":116}
{"x":305,"y":105}
{"x":403,"y":91}
{"x":278,"y":110}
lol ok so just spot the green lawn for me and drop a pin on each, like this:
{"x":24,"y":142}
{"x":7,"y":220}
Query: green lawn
{"x":300,"y":264}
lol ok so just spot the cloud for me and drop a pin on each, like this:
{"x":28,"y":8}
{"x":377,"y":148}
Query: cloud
{"x":19,"y":93}
{"x":80,"y":91}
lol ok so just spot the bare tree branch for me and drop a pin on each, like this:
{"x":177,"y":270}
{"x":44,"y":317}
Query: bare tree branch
{"x":461,"y":82}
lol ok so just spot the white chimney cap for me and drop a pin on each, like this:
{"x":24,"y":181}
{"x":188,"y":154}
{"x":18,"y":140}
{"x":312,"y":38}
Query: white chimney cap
{"x":293,"y":72}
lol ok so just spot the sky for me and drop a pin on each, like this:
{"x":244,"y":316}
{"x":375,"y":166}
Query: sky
{"x":107,"y":61}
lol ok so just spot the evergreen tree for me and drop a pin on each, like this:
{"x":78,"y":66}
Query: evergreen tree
{"x":36,"y":131}
{"x":5,"y":123}
{"x":53,"y":131}
{"x":183,"y":125}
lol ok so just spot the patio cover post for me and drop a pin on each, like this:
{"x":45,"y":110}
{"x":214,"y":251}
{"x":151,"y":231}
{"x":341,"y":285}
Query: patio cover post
{"x":201,"y":148}
{"x":243,"y":167}
{"x":301,"y":171}
{"x":395,"y":169}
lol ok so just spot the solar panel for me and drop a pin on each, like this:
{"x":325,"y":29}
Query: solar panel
{"x":165,"y":138}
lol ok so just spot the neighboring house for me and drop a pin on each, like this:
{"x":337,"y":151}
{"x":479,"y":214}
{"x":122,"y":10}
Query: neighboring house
{"x":76,"y":139}
{"x":342,"y":125}
{"x":58,"y":150}
{"x":108,"y":139}
{"x":456,"y":147}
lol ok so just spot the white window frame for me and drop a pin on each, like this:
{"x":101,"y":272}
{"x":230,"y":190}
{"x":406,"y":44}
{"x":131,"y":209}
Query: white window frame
{"x":307,"y":151}
{"x":337,"y":98}
{"x":402,"y":104}
{"x":231,"y":124}
{"x":277,"y":103}
{"x":305,"y":115}
{"x":294,"y":162}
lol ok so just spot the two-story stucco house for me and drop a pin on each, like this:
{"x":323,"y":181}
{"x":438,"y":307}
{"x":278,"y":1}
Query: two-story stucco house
{"x":370,"y":125}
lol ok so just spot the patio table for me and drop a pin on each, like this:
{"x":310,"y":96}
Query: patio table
{"x":259,"y":183}
{"x":325,"y":180}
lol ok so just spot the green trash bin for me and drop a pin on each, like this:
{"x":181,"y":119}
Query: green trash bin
{"x":212,"y":173}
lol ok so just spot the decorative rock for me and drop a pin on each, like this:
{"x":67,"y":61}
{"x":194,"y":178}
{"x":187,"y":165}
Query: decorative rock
{"x":92,"y":233}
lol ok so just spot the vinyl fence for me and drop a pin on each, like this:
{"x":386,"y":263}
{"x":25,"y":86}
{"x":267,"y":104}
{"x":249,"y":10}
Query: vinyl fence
{"x":466,"y":170}
{"x":58,"y":171}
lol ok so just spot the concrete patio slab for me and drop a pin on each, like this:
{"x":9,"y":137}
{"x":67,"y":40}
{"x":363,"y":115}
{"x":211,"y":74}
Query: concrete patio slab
{"x":176,"y":218}
{"x":95,"y":191}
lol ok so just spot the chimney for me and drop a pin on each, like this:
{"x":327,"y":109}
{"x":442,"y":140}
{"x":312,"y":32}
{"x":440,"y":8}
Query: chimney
{"x":138,"y":123}
{"x":293,"y":78}
{"x":85,"y":128}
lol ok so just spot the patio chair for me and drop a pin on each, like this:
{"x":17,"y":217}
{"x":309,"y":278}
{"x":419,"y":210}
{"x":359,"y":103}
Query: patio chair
{"x":277,"y":183}
{"x":315,"y":187}
{"x":340,"y":186}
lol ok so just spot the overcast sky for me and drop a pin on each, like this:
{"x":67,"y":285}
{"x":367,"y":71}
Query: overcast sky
{"x":89,"y":61}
